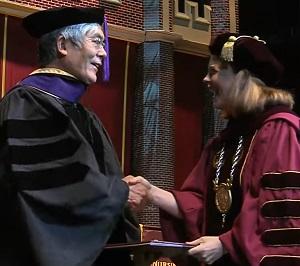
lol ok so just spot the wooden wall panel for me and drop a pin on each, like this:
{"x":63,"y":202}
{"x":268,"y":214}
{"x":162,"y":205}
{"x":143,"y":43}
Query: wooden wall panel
{"x":130,"y":105}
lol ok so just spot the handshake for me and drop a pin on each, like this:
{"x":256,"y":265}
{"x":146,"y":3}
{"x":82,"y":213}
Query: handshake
{"x":139,"y":192}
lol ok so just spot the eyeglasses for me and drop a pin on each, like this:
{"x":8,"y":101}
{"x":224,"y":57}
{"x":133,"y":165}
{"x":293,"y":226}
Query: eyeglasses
{"x":97,"y":42}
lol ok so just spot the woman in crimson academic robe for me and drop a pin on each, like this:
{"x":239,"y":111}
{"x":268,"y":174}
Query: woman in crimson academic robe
{"x":240,"y":204}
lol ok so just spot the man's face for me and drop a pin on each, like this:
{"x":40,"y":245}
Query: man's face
{"x":84,"y":62}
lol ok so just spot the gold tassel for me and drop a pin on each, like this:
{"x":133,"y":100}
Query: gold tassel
{"x":227,"y":50}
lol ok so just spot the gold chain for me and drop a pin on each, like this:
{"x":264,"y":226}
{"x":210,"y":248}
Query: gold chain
{"x":223,"y":198}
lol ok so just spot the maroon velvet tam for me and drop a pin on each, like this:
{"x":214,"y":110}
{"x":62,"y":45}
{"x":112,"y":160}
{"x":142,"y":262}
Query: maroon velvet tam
{"x":42,"y":22}
{"x":249,"y":53}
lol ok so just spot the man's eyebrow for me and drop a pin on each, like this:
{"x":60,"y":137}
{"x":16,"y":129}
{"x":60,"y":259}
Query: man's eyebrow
{"x":97,"y":35}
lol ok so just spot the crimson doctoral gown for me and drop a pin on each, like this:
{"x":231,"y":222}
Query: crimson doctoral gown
{"x":265,"y":229}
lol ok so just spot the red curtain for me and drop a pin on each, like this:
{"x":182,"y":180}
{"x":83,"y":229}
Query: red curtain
{"x":21,"y":53}
{"x":2,"y":17}
{"x":189,"y":72}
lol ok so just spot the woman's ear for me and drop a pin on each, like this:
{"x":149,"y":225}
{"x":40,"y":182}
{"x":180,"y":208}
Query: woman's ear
{"x":61,"y":45}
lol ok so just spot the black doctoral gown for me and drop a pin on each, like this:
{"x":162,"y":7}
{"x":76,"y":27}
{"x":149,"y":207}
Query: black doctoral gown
{"x":61,"y":194}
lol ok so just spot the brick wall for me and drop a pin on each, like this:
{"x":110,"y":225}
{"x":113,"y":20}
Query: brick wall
{"x":171,"y":14}
{"x":153,"y":123}
{"x":153,"y":15}
{"x":128,"y":14}
{"x":237,"y":13}
{"x":220,"y":20}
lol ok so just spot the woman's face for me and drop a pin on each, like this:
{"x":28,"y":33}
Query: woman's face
{"x":219,"y":81}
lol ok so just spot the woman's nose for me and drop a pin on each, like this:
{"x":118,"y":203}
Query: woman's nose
{"x":206,"y":79}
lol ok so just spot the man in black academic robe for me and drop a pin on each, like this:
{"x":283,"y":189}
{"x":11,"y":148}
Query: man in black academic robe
{"x":62,"y":196}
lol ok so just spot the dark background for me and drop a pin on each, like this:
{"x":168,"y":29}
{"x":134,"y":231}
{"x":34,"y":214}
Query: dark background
{"x":278,"y":23}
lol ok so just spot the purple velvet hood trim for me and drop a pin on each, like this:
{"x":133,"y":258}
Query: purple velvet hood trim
{"x":63,"y":87}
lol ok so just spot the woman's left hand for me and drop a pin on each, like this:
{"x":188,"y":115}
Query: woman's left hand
{"x":207,"y":249}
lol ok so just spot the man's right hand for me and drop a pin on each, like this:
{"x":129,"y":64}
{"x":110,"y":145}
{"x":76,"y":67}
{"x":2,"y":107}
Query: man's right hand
{"x":139,"y":192}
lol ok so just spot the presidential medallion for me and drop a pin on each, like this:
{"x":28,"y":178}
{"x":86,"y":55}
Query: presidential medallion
{"x":223,"y":197}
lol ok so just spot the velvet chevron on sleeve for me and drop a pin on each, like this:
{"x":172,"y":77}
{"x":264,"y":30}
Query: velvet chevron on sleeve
{"x":267,"y":228}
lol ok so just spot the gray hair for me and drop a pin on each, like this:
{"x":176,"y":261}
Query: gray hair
{"x":47,"y":51}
